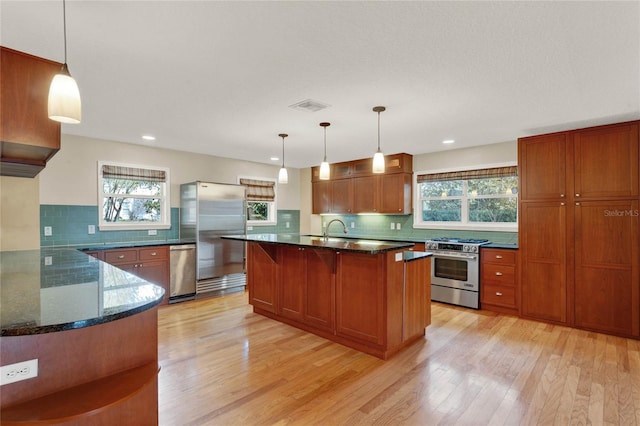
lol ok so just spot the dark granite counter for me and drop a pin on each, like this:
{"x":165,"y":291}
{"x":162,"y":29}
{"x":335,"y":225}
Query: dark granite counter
{"x":345,"y":244}
{"x":116,"y":245}
{"x":501,"y":246}
{"x":410,"y":256}
{"x":50,"y":290}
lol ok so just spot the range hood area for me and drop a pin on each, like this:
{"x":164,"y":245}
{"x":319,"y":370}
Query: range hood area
{"x":28,"y":138}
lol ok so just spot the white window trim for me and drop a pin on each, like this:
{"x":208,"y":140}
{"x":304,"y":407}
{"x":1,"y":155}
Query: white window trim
{"x":273,"y":213}
{"x":165,"y":205}
{"x":474,"y":226}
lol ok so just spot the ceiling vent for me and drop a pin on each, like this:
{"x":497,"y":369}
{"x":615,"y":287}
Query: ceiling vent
{"x":309,"y":105}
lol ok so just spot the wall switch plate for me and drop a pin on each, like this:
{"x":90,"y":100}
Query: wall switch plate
{"x":48,"y":261}
{"x":19,"y":371}
{"x":91,"y":229}
{"x":398,"y":257}
{"x":153,"y":232}
{"x":398,"y":226}
{"x":353,"y":225}
{"x":393,"y":225}
{"x":48,"y":231}
{"x":286,"y":225}
{"x":249,"y":228}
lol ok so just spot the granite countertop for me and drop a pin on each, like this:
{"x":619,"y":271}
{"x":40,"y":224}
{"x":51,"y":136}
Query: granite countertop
{"x":50,"y":290}
{"x":333,"y":243}
{"x":501,"y":245}
{"x":130,"y":244}
{"x":410,"y":256}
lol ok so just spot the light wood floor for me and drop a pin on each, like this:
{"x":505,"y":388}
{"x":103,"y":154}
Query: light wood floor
{"x":224,"y":365}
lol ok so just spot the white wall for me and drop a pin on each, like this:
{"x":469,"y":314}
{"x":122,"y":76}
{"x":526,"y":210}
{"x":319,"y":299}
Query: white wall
{"x":70,"y":178}
{"x":19,"y":213}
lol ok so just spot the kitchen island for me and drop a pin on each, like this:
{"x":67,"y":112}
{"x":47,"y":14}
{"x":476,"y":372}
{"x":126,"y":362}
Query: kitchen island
{"x":92,"y":329}
{"x":373,"y":296}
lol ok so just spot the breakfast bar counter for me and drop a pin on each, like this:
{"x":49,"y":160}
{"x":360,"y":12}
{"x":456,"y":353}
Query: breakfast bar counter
{"x":373,"y":296}
{"x":92,"y":329}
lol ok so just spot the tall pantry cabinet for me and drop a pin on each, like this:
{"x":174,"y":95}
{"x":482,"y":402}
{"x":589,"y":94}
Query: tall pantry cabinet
{"x":579,"y":242}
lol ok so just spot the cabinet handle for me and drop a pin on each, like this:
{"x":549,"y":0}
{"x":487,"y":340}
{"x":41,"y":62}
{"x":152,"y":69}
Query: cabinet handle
{"x":498,"y":293}
{"x":140,"y":265}
{"x":562,"y":204}
{"x":153,"y":254}
{"x":499,"y":274}
{"x":577,"y":195}
{"x":577,"y":204}
{"x":121,"y":256}
{"x":498,"y":256}
{"x":561,"y":195}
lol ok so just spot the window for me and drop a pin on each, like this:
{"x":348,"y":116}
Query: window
{"x":261,"y":201}
{"x":485,"y":199}
{"x":133,"y":197}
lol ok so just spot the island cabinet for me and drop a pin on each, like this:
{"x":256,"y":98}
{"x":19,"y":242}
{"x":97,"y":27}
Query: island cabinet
{"x":578,"y":228}
{"x":28,"y":138}
{"x":377,"y":303}
{"x":498,"y":282}
{"x":353,"y":188}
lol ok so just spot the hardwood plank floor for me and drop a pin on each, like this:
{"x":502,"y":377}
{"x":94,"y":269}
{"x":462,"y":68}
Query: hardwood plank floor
{"x":224,"y":365}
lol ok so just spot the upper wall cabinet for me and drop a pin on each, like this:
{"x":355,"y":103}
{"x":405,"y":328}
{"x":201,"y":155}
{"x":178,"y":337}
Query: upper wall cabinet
{"x":353,"y":188}
{"x":28,"y":138}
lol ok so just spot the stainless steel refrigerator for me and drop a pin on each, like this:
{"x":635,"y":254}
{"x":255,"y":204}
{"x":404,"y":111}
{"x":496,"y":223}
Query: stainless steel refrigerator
{"x":207,"y":212}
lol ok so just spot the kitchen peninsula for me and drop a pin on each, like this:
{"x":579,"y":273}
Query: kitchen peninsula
{"x":92,"y":329}
{"x":373,"y":296}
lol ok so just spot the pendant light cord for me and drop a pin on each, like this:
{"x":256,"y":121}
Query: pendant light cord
{"x":325,"y":143}
{"x":378,"y":131}
{"x":64,"y":28}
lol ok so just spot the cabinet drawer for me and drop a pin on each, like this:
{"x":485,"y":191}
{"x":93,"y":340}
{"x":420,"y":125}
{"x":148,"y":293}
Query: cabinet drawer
{"x":503,"y":274}
{"x":499,"y":295}
{"x":499,"y":256}
{"x":153,"y":253}
{"x":121,"y":256}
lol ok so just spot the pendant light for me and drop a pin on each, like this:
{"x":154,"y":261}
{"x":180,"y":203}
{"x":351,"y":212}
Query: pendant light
{"x":378,"y":158}
{"x":325,"y":170}
{"x":283,"y":176}
{"x":64,"y":97}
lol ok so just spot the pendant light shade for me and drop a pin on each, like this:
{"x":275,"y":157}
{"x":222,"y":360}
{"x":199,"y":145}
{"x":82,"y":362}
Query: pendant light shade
{"x":283,"y":176}
{"x":325,"y":170}
{"x":64,"y":97}
{"x":378,"y":158}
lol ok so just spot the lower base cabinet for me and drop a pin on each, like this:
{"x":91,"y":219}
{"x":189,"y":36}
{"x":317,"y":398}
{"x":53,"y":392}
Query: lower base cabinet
{"x":365,"y":301}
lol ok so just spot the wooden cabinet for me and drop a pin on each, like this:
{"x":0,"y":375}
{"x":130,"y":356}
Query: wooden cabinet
{"x":360,"y":297}
{"x":149,"y":263}
{"x":28,"y":138}
{"x":498,"y":280}
{"x":292,"y":288}
{"x":353,"y":188}
{"x":262,"y":276}
{"x":606,"y":290}
{"x":578,"y":228}
{"x":320,"y":289}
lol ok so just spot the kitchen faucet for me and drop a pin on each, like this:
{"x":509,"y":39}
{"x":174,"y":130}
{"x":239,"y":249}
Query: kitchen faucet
{"x":326,"y":228}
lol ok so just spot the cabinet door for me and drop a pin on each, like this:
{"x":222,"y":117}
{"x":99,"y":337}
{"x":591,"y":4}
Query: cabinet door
{"x":395,"y":193}
{"x":262,"y":275}
{"x":543,"y":251}
{"x":157,"y":272}
{"x":360,"y":297}
{"x":321,"y":193}
{"x":606,"y":162}
{"x":342,"y":196}
{"x":320,"y":292}
{"x":365,"y":194}
{"x":542,"y":167}
{"x":292,"y":282}
{"x":607,"y":283}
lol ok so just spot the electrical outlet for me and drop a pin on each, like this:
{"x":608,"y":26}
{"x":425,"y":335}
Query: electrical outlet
{"x":48,"y":231}
{"x":19,"y":371}
{"x":398,"y":226}
{"x":393,"y":225}
{"x":152,"y":232}
{"x":249,"y":228}
{"x":353,"y":225}
{"x":286,"y":225}
{"x":48,"y":261}
{"x":91,"y":229}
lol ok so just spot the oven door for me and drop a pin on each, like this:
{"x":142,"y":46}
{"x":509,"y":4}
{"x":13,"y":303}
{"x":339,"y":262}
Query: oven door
{"x":456,"y":270}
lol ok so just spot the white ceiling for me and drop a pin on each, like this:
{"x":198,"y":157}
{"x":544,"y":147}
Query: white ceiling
{"x":218,"y":77}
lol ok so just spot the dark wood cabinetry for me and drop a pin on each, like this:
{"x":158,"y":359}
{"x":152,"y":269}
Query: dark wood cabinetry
{"x":149,"y":263}
{"x":579,"y":228}
{"x":499,"y":280}
{"x":353,"y":188}
{"x":262,"y":276}
{"x":28,"y":138}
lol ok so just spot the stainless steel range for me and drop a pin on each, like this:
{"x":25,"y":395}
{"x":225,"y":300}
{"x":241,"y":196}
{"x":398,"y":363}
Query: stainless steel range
{"x":455,"y":271}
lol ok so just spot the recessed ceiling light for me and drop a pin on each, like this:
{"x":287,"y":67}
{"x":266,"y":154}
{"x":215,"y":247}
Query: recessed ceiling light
{"x":275,"y":158}
{"x":148,"y":138}
{"x":448,"y":141}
